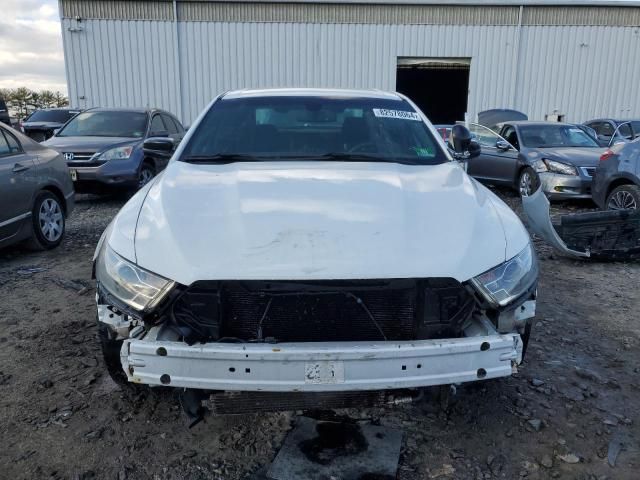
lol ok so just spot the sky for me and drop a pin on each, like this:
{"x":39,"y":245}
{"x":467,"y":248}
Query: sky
{"x":31,"y":45}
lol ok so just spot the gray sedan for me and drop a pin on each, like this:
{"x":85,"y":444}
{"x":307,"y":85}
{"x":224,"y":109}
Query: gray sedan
{"x":558,"y":156}
{"x":36,"y":192}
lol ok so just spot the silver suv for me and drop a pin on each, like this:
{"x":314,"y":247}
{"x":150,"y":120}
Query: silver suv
{"x":36,"y":192}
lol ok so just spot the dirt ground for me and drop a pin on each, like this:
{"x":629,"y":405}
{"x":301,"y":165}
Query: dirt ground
{"x":570,"y":412}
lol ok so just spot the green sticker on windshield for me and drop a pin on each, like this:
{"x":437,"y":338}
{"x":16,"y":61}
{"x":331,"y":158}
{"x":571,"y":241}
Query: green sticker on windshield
{"x":424,"y":151}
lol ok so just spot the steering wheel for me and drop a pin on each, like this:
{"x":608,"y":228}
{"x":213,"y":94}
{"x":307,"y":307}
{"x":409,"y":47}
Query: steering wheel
{"x":360,"y":147}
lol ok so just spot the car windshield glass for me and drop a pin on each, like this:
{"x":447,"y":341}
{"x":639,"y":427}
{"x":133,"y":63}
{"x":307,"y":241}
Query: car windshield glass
{"x":313,"y":128}
{"x":106,"y":124}
{"x":57,"y":116}
{"x":545,"y":136}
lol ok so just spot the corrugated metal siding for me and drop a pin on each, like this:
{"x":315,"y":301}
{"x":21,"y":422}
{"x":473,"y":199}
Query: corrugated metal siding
{"x":347,"y":13}
{"x":118,"y":9}
{"x":224,"y":56}
{"x":114,"y":63}
{"x":569,"y":69}
{"x":205,"y":11}
{"x":572,"y":70}
{"x":611,"y":16}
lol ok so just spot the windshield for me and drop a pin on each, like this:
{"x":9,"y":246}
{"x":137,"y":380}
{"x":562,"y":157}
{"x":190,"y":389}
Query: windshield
{"x":545,"y":136}
{"x":106,"y":124}
{"x":289,"y":128}
{"x":57,"y":116}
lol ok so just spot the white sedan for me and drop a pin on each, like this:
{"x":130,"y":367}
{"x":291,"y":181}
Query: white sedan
{"x":314,"y":241}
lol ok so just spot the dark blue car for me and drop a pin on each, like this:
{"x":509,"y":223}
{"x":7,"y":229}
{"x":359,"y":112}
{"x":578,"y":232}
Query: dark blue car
{"x":103,"y":147}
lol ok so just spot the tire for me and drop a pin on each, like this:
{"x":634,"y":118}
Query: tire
{"x":111,"y":354}
{"x":528,"y":182}
{"x":624,"y":197}
{"x":146,"y":174}
{"x":48,"y":220}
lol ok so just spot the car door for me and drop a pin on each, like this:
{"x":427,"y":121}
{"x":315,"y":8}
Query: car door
{"x":173,"y":127}
{"x":17,"y":183}
{"x":498,"y":159}
{"x":604,"y":130}
{"x":158,"y":129}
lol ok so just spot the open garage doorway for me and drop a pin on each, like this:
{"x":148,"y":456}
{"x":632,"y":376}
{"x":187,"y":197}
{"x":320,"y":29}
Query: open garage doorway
{"x":439,"y":86}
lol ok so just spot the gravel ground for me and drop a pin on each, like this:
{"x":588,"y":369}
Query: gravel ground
{"x":571,"y":411}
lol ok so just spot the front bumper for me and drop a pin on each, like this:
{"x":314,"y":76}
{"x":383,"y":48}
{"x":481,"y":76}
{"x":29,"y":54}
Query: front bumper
{"x":328,"y":366}
{"x":105,"y":176}
{"x":557,"y":186}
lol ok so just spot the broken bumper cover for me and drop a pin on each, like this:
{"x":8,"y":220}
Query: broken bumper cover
{"x":558,"y":186}
{"x":536,"y":208}
{"x":315,"y":367}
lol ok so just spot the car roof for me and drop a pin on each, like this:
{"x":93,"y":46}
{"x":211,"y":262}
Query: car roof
{"x":311,"y":92}
{"x":521,"y":123}
{"x":615,"y":120}
{"x":52,"y":109}
{"x":115,"y":109}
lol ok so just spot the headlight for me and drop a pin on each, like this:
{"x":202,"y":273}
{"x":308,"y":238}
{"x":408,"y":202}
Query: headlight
{"x":119,"y":153}
{"x":509,"y":280}
{"x":559,"y":167}
{"x":132,"y":285}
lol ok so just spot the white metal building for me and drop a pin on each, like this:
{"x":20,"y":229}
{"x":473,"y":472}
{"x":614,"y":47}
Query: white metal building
{"x":579,"y":59}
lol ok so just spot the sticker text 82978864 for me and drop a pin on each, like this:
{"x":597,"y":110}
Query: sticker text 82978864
{"x":401,"y":114}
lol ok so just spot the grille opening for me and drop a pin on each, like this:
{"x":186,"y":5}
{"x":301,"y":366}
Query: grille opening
{"x":322,"y":311}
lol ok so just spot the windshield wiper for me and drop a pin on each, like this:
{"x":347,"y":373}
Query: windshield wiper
{"x":221,"y":158}
{"x":226,"y":158}
{"x":363,"y":157}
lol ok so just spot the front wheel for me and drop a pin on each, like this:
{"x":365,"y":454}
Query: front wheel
{"x":528,"y":182}
{"x":624,"y":197}
{"x":146,"y":174}
{"x":48,"y":222}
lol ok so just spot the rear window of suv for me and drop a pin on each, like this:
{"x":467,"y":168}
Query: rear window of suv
{"x":291,"y":127}
{"x":56,"y":116}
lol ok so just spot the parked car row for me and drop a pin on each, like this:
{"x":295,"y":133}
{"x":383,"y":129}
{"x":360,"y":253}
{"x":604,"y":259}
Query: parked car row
{"x":566,"y":160}
{"x":325,"y":229}
{"x":94,"y":151}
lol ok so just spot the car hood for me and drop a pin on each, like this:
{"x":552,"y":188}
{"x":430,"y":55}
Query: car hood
{"x":320,"y":220}
{"x":42,"y":124}
{"x":578,"y":156}
{"x":88,"y":144}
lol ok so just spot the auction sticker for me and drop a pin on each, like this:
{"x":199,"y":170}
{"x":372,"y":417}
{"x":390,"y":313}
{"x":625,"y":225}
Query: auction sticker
{"x":401,"y":114}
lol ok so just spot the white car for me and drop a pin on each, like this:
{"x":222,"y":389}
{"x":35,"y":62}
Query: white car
{"x":314,"y":241}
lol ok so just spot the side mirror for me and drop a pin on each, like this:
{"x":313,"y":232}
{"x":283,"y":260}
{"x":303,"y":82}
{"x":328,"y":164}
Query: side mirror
{"x":55,"y":131}
{"x":159,"y":144}
{"x":503,"y":145}
{"x":460,"y":138}
{"x":464,"y":147}
{"x":161,"y":133}
{"x":474,"y":149}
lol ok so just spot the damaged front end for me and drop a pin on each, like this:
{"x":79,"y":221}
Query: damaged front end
{"x":316,"y":337}
{"x":606,"y":235}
